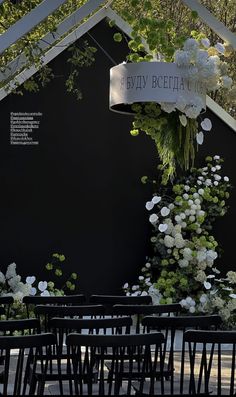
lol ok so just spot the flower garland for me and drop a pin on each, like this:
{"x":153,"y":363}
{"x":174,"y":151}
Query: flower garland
{"x":183,"y":266}
{"x":11,"y":284}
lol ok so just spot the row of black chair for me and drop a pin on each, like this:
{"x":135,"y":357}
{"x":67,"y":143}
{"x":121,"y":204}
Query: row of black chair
{"x":120,"y":360}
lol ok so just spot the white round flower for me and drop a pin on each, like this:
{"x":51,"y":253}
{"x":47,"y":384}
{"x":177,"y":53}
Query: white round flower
{"x":187,"y":254}
{"x":206,"y":124}
{"x":226,"y":179}
{"x":186,"y":188}
{"x":42,"y":285}
{"x":185,"y":196}
{"x":207,"y":285}
{"x":187,"y":212}
{"x":216,"y":157}
{"x":156,"y":199}
{"x":201,"y":192}
{"x":149,"y":205}
{"x":197,"y":201}
{"x":33,"y":291}
{"x":192,"y":309}
{"x":182,"y":215}
{"x":126,"y":285}
{"x":171,"y":206}
{"x":195,"y":196}
{"x":135,"y":287}
{"x":220,"y":48}
{"x":201,"y":255}
{"x":177,"y":218}
{"x":212,"y":254}
{"x":144,"y":293}
{"x":179,"y":241}
{"x":217,"y":177}
{"x":165,"y":211}
{"x":192,"y":218}
{"x":153,"y":218}
{"x":216,"y":183}
{"x":183,"y":225}
{"x":163,"y":227}
{"x":208,"y":182}
{"x":148,"y":265}
{"x":192,"y":212}
{"x":203,"y":298}
{"x":199,"y":182}
{"x":213,"y":169}
{"x":191,"y":45}
{"x":218,"y":167}
{"x":45,"y":293}
{"x":205,"y":42}
{"x":183,"y":263}
{"x":201,"y":213}
{"x":190,"y":202}
{"x":141,"y":278}
{"x":199,"y":230}
{"x":30,"y":280}
{"x":169,"y":241}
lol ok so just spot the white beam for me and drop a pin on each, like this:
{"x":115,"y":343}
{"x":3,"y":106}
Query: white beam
{"x":221,"y":113}
{"x":28,"y":22}
{"x":54,"y":52}
{"x":50,"y":38}
{"x":218,"y":27}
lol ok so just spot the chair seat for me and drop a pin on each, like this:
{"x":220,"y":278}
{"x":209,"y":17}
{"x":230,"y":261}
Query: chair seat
{"x":136,"y":370}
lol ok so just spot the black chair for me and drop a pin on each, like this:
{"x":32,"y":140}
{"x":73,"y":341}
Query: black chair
{"x":23,"y":327}
{"x":110,"y":300}
{"x":46,"y":312}
{"x":140,"y":311}
{"x":207,"y":377}
{"x":30,"y":351}
{"x":6,"y":302}
{"x":2,"y":311}
{"x":171,"y":327}
{"x":68,"y":300}
{"x":123,"y":347}
{"x":61,"y":327}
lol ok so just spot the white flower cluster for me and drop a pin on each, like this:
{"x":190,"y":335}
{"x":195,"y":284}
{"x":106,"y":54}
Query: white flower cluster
{"x":203,"y":66}
{"x":11,"y":284}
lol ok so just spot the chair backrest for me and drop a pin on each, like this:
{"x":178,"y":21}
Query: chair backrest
{"x":68,"y":300}
{"x":110,"y":300}
{"x":212,"y":362}
{"x":30,"y":351}
{"x":45,"y":312}
{"x":64,"y":326}
{"x":2,"y":311}
{"x":173,"y":328}
{"x":23,"y":327}
{"x":6,"y":302}
{"x":144,"y":310}
{"x":124,"y":348}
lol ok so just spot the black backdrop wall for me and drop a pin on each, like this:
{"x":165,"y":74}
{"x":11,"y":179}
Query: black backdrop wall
{"x":79,"y":192}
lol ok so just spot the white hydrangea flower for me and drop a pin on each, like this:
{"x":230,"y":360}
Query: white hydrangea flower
{"x":155,"y":295}
{"x":183,"y":263}
{"x":226,"y":178}
{"x":169,"y":241}
{"x":200,"y":276}
{"x":11,"y":271}
{"x":201,"y":192}
{"x":168,"y":107}
{"x":231,"y":276}
{"x":187,"y":254}
{"x":216,"y":157}
{"x":201,"y":255}
{"x":217,"y":177}
{"x":179,"y":241}
{"x":220,"y":48}
{"x":191,"y":45}
{"x":126,"y":285}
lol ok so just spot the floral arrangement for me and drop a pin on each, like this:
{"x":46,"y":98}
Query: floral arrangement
{"x":174,"y":126}
{"x":183,"y":266}
{"x":11,"y":284}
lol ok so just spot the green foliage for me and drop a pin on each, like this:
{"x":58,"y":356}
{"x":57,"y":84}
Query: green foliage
{"x":28,"y":45}
{"x":175,"y":143}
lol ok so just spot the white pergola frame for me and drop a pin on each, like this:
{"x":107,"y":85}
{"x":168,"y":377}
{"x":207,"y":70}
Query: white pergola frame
{"x":69,"y":31}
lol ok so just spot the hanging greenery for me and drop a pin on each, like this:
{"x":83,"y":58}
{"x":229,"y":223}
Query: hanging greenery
{"x":173,"y":125}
